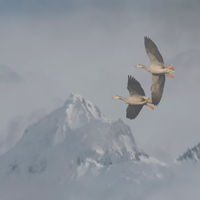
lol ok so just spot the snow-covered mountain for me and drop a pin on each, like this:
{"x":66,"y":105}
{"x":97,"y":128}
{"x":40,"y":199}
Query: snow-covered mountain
{"x":193,"y":154}
{"x":74,"y":147}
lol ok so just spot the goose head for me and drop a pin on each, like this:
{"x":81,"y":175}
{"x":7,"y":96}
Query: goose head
{"x":116,"y":97}
{"x":139,"y":66}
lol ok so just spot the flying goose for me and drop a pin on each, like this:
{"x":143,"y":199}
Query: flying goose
{"x":157,"y":69}
{"x":136,"y":100}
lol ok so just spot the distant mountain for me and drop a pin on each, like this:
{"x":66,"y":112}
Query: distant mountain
{"x":74,"y":147}
{"x":192,"y":154}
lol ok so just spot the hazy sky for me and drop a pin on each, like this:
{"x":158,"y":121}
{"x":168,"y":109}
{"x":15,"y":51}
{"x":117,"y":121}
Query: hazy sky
{"x":90,"y":47}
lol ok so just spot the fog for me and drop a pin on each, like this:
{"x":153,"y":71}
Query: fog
{"x":89,"y":47}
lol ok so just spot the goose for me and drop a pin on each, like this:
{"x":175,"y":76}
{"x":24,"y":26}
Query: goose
{"x":136,"y":100}
{"x":157,"y":69}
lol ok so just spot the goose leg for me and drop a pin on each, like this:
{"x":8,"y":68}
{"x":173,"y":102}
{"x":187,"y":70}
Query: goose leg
{"x":150,"y":106}
{"x":169,"y":75}
{"x":148,"y":100}
{"x":168,"y":66}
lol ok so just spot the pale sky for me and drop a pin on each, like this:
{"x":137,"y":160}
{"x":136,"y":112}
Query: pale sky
{"x":90,"y":47}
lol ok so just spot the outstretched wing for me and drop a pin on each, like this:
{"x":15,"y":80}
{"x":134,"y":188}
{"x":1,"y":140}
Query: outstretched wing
{"x":157,"y":87}
{"x":132,"y":111}
{"x":152,"y":51}
{"x":134,"y":86}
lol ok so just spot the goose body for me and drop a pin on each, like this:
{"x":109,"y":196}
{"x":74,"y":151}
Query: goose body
{"x":136,"y":100}
{"x":157,"y":69}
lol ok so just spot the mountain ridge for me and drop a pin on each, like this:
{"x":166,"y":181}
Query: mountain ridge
{"x":76,"y":143}
{"x":192,"y":154}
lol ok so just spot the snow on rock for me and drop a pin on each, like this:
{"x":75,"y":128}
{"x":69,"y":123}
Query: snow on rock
{"x":192,"y":154}
{"x":80,"y":111}
{"x":71,"y":146}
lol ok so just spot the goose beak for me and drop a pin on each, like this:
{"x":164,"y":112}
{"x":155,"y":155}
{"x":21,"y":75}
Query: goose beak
{"x":112,"y":97}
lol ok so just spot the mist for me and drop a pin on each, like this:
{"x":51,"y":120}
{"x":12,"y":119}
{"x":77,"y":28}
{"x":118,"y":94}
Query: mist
{"x":53,"y":48}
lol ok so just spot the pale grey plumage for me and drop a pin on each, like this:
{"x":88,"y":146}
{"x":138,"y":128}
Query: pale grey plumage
{"x":157,"y":69}
{"x":134,"y":87}
{"x":158,"y":81}
{"x":152,"y":52}
{"x":135,"y":90}
{"x":157,"y":87}
{"x":136,"y":100}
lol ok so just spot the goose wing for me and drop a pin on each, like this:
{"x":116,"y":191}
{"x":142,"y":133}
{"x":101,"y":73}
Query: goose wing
{"x":152,"y":52}
{"x":134,"y":87}
{"x":157,"y":87}
{"x":132,"y":111}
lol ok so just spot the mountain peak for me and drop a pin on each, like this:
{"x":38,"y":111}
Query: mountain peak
{"x":75,"y":97}
{"x":80,"y":111}
{"x":193,"y":154}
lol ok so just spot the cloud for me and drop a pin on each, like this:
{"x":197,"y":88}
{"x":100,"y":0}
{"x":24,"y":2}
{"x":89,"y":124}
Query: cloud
{"x":90,"y":47}
{"x":24,"y":100}
{"x":9,"y":76}
{"x":16,"y":127}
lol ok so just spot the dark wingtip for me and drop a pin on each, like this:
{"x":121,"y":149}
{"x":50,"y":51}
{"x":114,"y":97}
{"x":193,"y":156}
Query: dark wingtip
{"x":132,"y":78}
{"x":156,"y":102}
{"x":147,"y":38}
{"x":130,"y":117}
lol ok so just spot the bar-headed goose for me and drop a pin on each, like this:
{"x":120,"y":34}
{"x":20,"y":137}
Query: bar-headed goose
{"x":157,"y":69}
{"x":136,"y":100}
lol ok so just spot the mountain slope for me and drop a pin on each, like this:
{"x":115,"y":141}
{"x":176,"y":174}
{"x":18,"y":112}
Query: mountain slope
{"x":74,"y":145}
{"x":192,"y":154}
